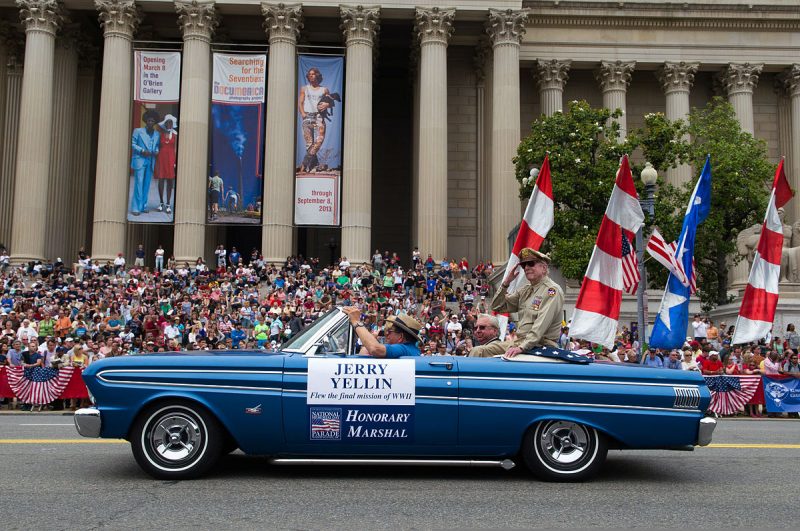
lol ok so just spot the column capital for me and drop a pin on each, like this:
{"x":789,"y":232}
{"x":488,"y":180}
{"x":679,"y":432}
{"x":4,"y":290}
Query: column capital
{"x":677,"y":76}
{"x":552,"y":73}
{"x":788,"y":81}
{"x":614,"y":75}
{"x":506,"y":26}
{"x":41,"y":15}
{"x":197,"y":20}
{"x":359,"y":24}
{"x":282,"y":22}
{"x":434,"y":24}
{"x":119,"y":18}
{"x":740,"y":77}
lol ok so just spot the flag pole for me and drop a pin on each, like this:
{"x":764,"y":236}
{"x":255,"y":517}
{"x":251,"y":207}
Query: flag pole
{"x":649,"y":177}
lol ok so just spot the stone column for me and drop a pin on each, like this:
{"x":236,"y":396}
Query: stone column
{"x":197,"y":21}
{"x":551,"y":76}
{"x":433,"y":27}
{"x":10,"y":84}
{"x":791,"y":81}
{"x":359,"y":25}
{"x":413,"y":74}
{"x":41,"y":19}
{"x":739,"y":81}
{"x":119,"y":19}
{"x":282,"y":24}
{"x":79,"y":197}
{"x":483,"y":126}
{"x":60,"y":212}
{"x":676,"y":80}
{"x":614,"y":78}
{"x":505,"y":29}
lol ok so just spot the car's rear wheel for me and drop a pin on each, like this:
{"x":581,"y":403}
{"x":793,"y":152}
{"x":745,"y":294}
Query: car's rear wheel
{"x":561,"y":450}
{"x":176,"y":441}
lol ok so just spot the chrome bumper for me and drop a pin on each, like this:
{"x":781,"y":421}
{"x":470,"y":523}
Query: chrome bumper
{"x":87,"y":422}
{"x":707,"y":425}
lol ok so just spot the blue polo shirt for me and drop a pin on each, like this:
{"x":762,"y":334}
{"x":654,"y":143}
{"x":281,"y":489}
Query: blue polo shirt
{"x":402,"y":349}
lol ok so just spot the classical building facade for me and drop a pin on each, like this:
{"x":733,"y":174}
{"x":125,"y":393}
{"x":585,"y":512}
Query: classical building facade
{"x":437,"y":100}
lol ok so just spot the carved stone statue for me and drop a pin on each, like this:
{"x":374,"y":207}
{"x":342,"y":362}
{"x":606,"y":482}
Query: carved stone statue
{"x":747,"y":242}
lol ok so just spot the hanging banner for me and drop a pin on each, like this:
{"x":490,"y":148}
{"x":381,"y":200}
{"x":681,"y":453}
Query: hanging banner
{"x":235,"y":181}
{"x":318,"y":151}
{"x":154,"y":138}
{"x":782,"y":393}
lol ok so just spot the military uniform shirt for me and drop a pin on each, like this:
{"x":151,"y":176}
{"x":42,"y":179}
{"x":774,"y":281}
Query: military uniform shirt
{"x":538,"y":307}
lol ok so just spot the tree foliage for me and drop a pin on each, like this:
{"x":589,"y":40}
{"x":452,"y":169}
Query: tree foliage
{"x":741,"y":174}
{"x":585,"y":149}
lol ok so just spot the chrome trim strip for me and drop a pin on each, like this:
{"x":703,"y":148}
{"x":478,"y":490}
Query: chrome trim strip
{"x":558,"y":380}
{"x":202,"y":386}
{"x":191,"y":371}
{"x":506,"y":464}
{"x":575,"y":404}
{"x":429,"y":397}
{"x":303,"y":391}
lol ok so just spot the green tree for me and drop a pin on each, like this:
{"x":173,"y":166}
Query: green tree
{"x":741,"y":174}
{"x":585,"y":151}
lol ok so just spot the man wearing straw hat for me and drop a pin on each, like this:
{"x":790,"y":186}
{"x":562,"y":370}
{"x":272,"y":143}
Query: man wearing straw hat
{"x":401,"y":332}
{"x":539,"y":304}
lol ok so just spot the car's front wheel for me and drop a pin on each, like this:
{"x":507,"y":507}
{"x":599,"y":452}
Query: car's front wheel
{"x":176,"y":441}
{"x":561,"y":450}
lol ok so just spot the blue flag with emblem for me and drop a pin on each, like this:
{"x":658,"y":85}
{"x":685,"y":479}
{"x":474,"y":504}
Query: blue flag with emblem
{"x":669,"y":330}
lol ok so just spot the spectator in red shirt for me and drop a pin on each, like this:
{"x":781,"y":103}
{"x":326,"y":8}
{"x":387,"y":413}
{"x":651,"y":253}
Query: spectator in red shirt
{"x":713,"y":365}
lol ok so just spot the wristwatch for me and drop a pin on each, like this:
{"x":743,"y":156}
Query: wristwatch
{"x":358,"y":324}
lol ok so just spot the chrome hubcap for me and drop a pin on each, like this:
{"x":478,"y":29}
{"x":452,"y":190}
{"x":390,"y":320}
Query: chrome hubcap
{"x":564,"y":443}
{"x":175,"y":437}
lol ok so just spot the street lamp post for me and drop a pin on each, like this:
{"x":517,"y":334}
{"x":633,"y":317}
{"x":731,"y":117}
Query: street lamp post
{"x":649,"y":177}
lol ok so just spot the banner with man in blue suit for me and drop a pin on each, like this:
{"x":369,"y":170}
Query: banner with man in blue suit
{"x":669,"y":330}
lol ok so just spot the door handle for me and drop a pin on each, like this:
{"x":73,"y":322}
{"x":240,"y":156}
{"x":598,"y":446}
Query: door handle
{"x":446,"y":364}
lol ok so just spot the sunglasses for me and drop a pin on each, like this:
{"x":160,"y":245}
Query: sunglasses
{"x":483,"y":327}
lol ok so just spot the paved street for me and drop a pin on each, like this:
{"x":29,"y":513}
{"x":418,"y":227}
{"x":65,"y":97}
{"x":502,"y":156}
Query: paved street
{"x":53,"y":479}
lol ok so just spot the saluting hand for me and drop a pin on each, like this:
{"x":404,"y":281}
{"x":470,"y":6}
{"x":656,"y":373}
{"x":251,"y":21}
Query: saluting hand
{"x":511,"y":276}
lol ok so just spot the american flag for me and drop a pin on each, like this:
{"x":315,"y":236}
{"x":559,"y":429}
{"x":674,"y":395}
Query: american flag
{"x":665,"y":254}
{"x":630,"y":266}
{"x":325,"y":425}
{"x":38,"y":385}
{"x":729,"y":394}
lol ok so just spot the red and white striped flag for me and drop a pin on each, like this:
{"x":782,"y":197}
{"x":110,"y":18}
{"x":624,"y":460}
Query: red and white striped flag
{"x":597,"y":309}
{"x":536,"y":223}
{"x":761,"y":294}
{"x":666,"y":255}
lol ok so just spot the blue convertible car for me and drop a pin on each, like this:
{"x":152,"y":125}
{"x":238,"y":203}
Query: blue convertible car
{"x":317,"y":403}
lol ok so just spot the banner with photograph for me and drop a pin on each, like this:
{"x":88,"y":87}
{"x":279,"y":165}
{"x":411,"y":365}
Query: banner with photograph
{"x":318,"y":144}
{"x":154,"y":137}
{"x":235,"y":181}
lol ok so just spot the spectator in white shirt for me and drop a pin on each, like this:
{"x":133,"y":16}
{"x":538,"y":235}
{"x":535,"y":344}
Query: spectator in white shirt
{"x":700,"y":325}
{"x":26,"y":332}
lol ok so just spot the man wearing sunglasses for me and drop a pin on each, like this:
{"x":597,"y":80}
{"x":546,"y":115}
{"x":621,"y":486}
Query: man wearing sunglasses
{"x":539,"y":304}
{"x":487,"y":335}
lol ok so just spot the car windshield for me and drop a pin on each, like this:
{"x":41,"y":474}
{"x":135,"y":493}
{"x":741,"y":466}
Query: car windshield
{"x":300,"y":341}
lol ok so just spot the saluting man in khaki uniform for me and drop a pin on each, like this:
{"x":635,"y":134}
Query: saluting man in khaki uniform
{"x":539,"y":304}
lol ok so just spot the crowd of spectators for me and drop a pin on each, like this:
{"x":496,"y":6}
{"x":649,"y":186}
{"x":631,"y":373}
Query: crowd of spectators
{"x":54,"y":315}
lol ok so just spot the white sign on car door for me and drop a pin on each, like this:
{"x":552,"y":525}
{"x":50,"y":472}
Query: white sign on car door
{"x":378,"y":382}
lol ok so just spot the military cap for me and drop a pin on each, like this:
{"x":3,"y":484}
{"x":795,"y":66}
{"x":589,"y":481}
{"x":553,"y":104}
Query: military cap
{"x":530,"y":255}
